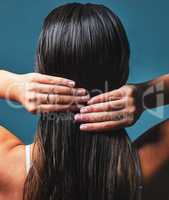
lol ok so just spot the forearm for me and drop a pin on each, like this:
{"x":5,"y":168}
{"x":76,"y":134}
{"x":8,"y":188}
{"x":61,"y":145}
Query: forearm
{"x":8,"y":83}
{"x":155,"y":93}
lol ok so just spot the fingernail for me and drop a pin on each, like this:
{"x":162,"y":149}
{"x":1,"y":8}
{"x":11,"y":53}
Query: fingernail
{"x":85,"y":97}
{"x":80,"y":106}
{"x":83,"y":127}
{"x":72,"y":83}
{"x":83,"y":110}
{"x":90,"y":101}
{"x":81,"y":91}
{"x":77,"y":117}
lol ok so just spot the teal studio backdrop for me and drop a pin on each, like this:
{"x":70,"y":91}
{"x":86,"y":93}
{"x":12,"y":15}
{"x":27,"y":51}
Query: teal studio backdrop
{"x":147,"y":26}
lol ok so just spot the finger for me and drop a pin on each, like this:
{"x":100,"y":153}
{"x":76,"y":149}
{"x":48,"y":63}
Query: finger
{"x":109,"y":96}
{"x":57,"y":99}
{"x":57,"y":108}
{"x":57,"y":89}
{"x":107,"y":106}
{"x":100,"y":116}
{"x":103,"y":126}
{"x":42,"y":78}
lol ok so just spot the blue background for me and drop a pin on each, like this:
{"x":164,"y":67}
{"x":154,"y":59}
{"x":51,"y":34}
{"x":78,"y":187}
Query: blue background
{"x":147,"y":26}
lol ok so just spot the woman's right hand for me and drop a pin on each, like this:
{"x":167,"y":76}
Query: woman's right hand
{"x":112,"y":110}
{"x":43,"y":93}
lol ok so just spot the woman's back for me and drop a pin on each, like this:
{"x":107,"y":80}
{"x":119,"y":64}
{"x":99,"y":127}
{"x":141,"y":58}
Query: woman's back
{"x":13,"y":164}
{"x":82,"y":165}
{"x":77,"y":41}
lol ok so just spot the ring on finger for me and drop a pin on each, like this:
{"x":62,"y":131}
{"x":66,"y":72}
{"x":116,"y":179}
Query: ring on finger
{"x":48,"y":98}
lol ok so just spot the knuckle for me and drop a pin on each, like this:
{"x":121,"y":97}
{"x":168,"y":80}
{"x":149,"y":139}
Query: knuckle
{"x":109,"y":106}
{"x":129,"y":91}
{"x":31,"y":87}
{"x":85,"y":118}
{"x":133,"y":110}
{"x":73,"y":101}
{"x":76,"y":99}
{"x":71,"y":91}
{"x":129,"y":119}
{"x":51,"y":90}
{"x":57,"y":108}
{"x":33,"y":75}
{"x":60,"y":80}
{"x":27,"y":97}
{"x":92,"y":109}
{"x":130,"y":111}
{"x":31,"y":108}
{"x":69,"y":106}
{"x":30,"y":97}
{"x":58,"y":99}
{"x":128,"y":101}
{"x":122,"y":91}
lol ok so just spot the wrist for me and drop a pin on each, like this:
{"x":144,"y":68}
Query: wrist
{"x":141,"y":89}
{"x":16,"y":84}
{"x":10,"y":85}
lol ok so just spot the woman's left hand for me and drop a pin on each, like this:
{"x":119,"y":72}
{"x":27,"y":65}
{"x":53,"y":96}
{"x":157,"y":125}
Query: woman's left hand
{"x":43,"y":93}
{"x":112,"y":110}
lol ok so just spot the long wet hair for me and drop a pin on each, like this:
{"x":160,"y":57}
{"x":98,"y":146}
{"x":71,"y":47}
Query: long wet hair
{"x":88,"y":44}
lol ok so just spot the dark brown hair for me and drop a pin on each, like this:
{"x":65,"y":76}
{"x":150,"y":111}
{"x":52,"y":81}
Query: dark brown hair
{"x":86,"y":43}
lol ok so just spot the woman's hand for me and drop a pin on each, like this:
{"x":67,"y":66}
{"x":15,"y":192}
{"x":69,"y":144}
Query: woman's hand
{"x":44,"y":93}
{"x":116,"y":109}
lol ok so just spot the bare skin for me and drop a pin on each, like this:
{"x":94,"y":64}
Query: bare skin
{"x":37,"y":93}
{"x":12,"y":167}
{"x":153,"y":146}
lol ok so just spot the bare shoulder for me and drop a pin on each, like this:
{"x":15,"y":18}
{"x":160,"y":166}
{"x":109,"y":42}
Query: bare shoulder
{"x":153,"y":148}
{"x":12,"y":159}
{"x":8,"y":139}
